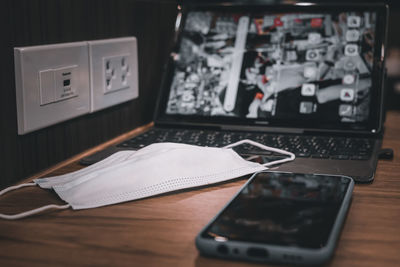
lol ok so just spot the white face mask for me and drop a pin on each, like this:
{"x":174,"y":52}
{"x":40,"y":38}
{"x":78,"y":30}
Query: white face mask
{"x":153,"y":170}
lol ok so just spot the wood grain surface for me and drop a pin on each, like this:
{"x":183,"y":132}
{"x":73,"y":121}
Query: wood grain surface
{"x":160,"y":231}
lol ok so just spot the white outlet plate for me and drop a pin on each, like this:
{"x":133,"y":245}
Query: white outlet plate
{"x":113,"y":72}
{"x":52,"y":84}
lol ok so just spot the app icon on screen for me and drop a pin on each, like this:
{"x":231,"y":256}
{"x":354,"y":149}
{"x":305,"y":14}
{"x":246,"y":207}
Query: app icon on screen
{"x":310,"y":70}
{"x":314,"y":38}
{"x":306,"y":107}
{"x":351,"y":50}
{"x":353,"y":21}
{"x":349,"y":65}
{"x":352,"y":35}
{"x":308,"y":89}
{"x":348,"y":79}
{"x":347,"y":95}
{"x":345,"y":110}
{"x":291,"y":55}
{"x":316,"y":22}
{"x":312,"y":55}
{"x":278,"y":22}
{"x":268,"y":21}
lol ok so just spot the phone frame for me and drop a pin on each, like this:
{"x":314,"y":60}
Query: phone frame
{"x":240,"y":250}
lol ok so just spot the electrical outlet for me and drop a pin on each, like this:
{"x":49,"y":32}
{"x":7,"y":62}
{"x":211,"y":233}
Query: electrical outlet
{"x":113,"y":72}
{"x":58,"y":82}
{"x":116,"y":71}
{"x":52,"y":84}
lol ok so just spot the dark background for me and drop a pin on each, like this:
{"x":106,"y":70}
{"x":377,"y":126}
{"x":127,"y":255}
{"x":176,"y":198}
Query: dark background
{"x":36,"y":22}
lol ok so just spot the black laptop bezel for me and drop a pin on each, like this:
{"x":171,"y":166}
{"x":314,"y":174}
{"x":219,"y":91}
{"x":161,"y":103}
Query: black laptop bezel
{"x":375,"y":126}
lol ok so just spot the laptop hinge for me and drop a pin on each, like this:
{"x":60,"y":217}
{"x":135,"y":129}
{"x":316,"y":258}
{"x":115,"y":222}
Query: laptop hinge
{"x":261,"y":129}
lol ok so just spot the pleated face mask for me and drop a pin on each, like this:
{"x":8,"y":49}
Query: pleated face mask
{"x":156,"y":169}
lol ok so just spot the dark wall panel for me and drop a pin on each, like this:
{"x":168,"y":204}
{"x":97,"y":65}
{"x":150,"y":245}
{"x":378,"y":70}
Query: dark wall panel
{"x":36,"y":22}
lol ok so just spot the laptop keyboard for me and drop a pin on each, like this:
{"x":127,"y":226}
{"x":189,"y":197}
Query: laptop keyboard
{"x":341,"y":148}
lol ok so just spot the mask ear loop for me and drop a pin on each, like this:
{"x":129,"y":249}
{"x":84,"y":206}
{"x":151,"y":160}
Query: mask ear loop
{"x":30,"y":212}
{"x":268,"y":148}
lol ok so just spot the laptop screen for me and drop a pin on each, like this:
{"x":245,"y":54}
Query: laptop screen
{"x":300,"y":68}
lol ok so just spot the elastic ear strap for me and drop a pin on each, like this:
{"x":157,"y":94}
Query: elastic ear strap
{"x":268,"y":148}
{"x":11,"y":188}
{"x":30,"y":212}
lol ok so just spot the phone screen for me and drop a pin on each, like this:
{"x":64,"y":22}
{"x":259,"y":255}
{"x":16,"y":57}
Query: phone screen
{"x":284,"y":209}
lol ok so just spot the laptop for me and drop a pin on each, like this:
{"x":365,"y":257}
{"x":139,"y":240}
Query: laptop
{"x":308,"y":78}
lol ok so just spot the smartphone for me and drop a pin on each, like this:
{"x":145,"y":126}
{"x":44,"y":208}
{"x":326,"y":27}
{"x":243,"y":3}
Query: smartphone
{"x":280,"y":217}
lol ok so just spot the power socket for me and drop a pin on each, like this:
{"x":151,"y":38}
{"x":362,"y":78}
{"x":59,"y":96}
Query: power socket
{"x":116,"y":71}
{"x":113,"y":72}
{"x":58,"y":82}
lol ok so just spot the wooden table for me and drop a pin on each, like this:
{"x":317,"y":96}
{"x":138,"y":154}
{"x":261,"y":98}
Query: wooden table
{"x":160,"y":231}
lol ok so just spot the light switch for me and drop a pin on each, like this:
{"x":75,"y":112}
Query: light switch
{"x":47,"y":84}
{"x":52,"y":84}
